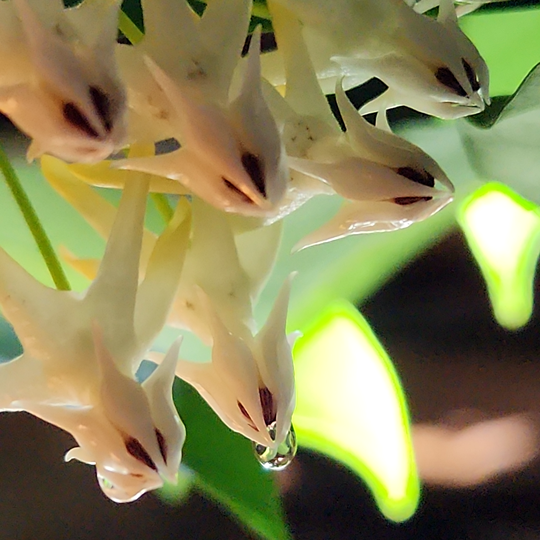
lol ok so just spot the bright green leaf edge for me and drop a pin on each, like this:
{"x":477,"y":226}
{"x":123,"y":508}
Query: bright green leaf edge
{"x":313,"y":440}
{"x":527,"y":262}
{"x":504,"y":106}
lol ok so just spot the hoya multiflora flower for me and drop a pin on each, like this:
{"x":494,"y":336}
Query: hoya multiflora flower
{"x":390,"y":182}
{"x":429,"y":65}
{"x":59,"y":82}
{"x":242,"y":249}
{"x":463,"y":6}
{"x":211,"y":102}
{"x":81,"y":352}
{"x":250,"y":380}
{"x":217,"y":306}
{"x":246,"y":157}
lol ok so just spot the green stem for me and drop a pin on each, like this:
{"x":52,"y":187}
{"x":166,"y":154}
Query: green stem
{"x":261,"y":11}
{"x":163,"y":206}
{"x":129,"y":28}
{"x":34,"y":224}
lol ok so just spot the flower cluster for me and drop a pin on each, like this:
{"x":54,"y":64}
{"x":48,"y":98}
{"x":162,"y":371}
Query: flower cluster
{"x":247,"y":141}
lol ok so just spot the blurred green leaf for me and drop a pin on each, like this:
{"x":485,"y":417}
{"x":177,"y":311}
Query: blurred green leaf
{"x":226,"y":470}
{"x":509,"y":41}
{"x":523,"y":100}
{"x":508,"y":150}
{"x":350,"y":406}
{"x":503,"y":232}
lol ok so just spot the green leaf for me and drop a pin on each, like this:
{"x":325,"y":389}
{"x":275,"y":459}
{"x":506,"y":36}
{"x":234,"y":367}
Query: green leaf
{"x":350,"y":406}
{"x":523,"y":100}
{"x":503,"y":232}
{"x":509,"y":41}
{"x":226,"y":470}
{"x":508,"y":151}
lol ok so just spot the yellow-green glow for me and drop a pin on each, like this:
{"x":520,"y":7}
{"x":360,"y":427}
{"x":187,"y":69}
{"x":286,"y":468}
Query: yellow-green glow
{"x":503,"y":232}
{"x":350,"y":406}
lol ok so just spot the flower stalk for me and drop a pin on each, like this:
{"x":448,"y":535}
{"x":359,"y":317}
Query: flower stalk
{"x":34,"y":224}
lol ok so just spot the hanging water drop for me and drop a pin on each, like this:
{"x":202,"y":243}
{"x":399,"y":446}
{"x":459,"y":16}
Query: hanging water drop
{"x":276,"y":459}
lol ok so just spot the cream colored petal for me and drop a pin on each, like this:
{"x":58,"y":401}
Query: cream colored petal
{"x":260,"y":143}
{"x":162,"y":276}
{"x":206,"y":130}
{"x":362,"y":180}
{"x":171,"y":32}
{"x":367,"y":217}
{"x":125,"y":403}
{"x":303,"y":92}
{"x":276,"y":363}
{"x":20,"y":379}
{"x":234,"y":365}
{"x":102,"y":175}
{"x":39,"y":315}
{"x":101,"y":37}
{"x":223,"y":29}
{"x":39,"y":115}
{"x":197,"y":177}
{"x":57,"y":64}
{"x":158,"y":389}
{"x":212,"y":263}
{"x":384,"y":147}
{"x":257,"y":253}
{"x":113,"y":292}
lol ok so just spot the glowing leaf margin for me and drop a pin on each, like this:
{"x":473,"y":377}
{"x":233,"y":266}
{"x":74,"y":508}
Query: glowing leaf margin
{"x":351,"y":407}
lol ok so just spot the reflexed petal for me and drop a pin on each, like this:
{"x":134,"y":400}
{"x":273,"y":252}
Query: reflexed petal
{"x":158,"y":389}
{"x":212,"y":264}
{"x":162,"y":276}
{"x":369,"y":217}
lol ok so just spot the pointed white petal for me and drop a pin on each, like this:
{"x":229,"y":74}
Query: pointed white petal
{"x":276,"y":365}
{"x":126,"y":406}
{"x":212,"y":263}
{"x":262,"y":154}
{"x":162,"y":276}
{"x":39,"y":314}
{"x":158,"y":389}
{"x":367,"y":217}
{"x":113,"y":292}
{"x":206,"y":131}
{"x":303,"y":92}
{"x":382,"y":146}
{"x":223,"y":28}
{"x":233,"y":362}
{"x":257,"y":253}
{"x":362,"y":180}
{"x":21,"y":379}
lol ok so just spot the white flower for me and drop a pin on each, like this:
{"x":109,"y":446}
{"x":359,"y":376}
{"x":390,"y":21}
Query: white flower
{"x":230,"y":265}
{"x":390,"y":182}
{"x":230,"y":257}
{"x":250,"y":381}
{"x":81,"y":352}
{"x":231,"y":153}
{"x":429,"y":65}
{"x":59,"y":81}
{"x":463,"y":6}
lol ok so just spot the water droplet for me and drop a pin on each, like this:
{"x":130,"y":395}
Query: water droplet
{"x":276,"y":459}
{"x":105,"y":483}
